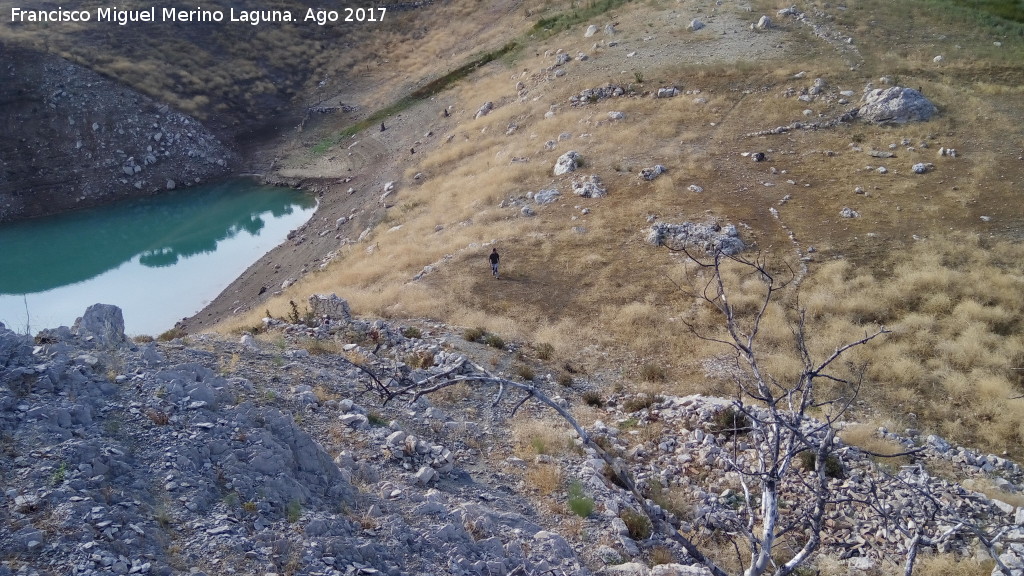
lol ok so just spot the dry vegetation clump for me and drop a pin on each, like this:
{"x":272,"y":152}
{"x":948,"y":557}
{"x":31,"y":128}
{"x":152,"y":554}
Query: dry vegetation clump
{"x":951,"y":365}
{"x":544,"y":478}
{"x":865,"y":436}
{"x":535,"y":437}
{"x":951,"y":565}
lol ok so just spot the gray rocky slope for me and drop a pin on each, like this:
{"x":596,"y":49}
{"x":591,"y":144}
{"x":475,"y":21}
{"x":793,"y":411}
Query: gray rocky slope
{"x":275,"y":455}
{"x":72,"y":138}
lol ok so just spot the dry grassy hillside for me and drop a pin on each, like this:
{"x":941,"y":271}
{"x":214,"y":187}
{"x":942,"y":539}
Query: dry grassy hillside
{"x":245,"y":78}
{"x":936,"y":257}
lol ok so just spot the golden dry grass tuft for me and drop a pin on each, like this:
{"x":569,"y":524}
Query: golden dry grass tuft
{"x":535,"y":437}
{"x":544,"y":478}
{"x":956,"y":310}
{"x":951,"y":565}
{"x":866,"y":436}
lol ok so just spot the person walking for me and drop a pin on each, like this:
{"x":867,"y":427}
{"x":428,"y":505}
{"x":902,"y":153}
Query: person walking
{"x":494,"y":262}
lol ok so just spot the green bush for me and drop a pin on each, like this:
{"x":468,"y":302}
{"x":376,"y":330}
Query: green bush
{"x":412,"y":332}
{"x":525,"y":372}
{"x":580,"y":504}
{"x":474,"y":334}
{"x":376,"y":419}
{"x":294,"y":511}
{"x":58,"y":476}
{"x":639,"y":525}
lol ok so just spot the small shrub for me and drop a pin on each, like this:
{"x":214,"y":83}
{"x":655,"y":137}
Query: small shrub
{"x":661,"y":555}
{"x":323,"y":394}
{"x":544,"y":478}
{"x":293,"y":315}
{"x":318,"y":347}
{"x":565,"y":380}
{"x":412,"y":332}
{"x":638,"y":403}
{"x":420,"y":359}
{"x":593,"y":398}
{"x":525,"y":372}
{"x":730,"y":422}
{"x":171,"y":334}
{"x":143,"y":339}
{"x":639,"y":76}
{"x":474,"y":334}
{"x":57,"y":478}
{"x":376,"y":419}
{"x":652,"y":373}
{"x":249,"y":507}
{"x":639,"y":525}
{"x":158,"y":417}
{"x":162,"y":517}
{"x":539,"y":445}
{"x":545,"y":351}
{"x":580,"y":504}
{"x":495,"y":341}
{"x":294,"y":511}
{"x":833,"y":466}
{"x":611,"y":476}
{"x":674,"y":500}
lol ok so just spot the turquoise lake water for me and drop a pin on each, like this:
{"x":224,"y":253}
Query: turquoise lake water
{"x":160,"y":258}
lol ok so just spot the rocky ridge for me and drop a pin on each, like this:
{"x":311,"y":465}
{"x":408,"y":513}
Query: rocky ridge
{"x":277,"y":455}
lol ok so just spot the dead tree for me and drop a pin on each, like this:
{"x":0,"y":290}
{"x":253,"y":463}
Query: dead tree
{"x":780,"y":428}
{"x":781,"y":423}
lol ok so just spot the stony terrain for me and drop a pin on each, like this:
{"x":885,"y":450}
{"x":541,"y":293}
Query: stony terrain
{"x":278,"y":455}
{"x":85,"y":140}
{"x":280,"y":451}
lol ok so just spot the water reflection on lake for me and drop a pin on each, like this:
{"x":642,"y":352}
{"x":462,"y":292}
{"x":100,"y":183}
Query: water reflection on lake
{"x":160,"y":259}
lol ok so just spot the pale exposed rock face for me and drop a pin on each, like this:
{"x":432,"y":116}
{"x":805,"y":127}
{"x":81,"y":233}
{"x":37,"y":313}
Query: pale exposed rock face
{"x":895,"y":105}
{"x":484,"y":109}
{"x":652,"y":172}
{"x":331,"y":305}
{"x":566,"y":163}
{"x":708,"y":237}
{"x":546,"y":196}
{"x":589,"y":187}
{"x":103,"y":324}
